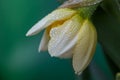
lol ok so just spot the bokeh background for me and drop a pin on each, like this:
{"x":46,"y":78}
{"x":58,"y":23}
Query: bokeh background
{"x":19,"y":57}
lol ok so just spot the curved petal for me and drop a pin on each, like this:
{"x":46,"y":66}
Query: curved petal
{"x":85,"y":47}
{"x":63,"y":37}
{"x":57,"y":15}
{"x":44,"y":42}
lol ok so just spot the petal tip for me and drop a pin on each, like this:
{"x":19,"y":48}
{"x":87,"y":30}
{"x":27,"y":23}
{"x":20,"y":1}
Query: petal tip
{"x":28,"y":34}
{"x":31,"y":32}
{"x":39,"y":50}
{"x":78,"y":73}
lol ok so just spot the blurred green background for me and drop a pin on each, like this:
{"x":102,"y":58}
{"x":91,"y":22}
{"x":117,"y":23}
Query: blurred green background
{"x":19,"y":57}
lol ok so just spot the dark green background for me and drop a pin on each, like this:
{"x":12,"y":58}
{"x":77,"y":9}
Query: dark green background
{"x":19,"y":58}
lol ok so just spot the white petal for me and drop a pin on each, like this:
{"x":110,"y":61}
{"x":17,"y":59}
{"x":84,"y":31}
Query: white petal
{"x":79,"y":3}
{"x":63,"y":37}
{"x":85,"y":47}
{"x":44,"y":42}
{"x":57,"y":15}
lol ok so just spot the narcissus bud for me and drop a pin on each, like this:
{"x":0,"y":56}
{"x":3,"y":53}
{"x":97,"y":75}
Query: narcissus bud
{"x":68,"y":34}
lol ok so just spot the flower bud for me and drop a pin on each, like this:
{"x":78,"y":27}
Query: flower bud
{"x":67,"y":35}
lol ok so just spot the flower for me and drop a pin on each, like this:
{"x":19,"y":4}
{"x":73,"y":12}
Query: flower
{"x":67,"y":35}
